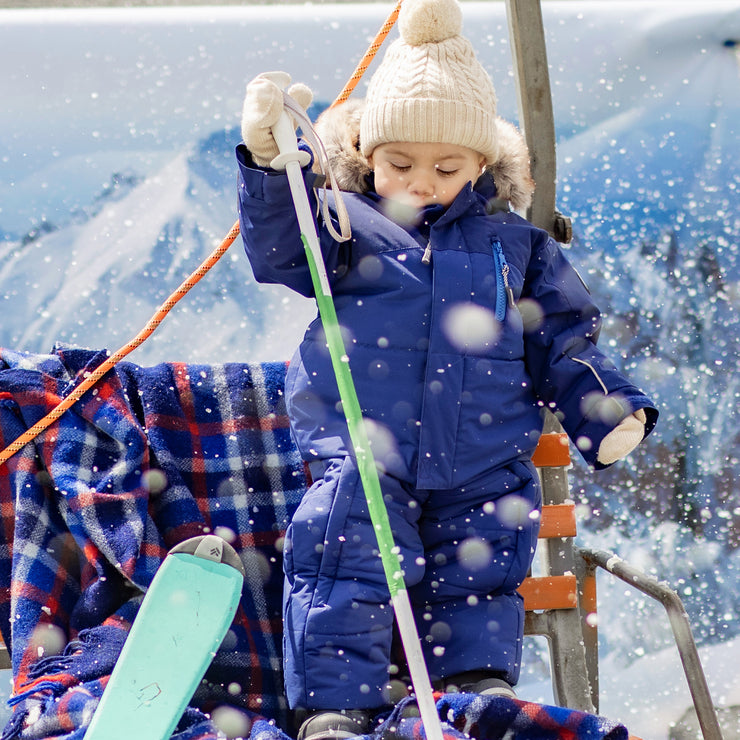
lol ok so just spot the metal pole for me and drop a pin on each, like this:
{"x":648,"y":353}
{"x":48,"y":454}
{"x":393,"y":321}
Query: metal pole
{"x":529,"y":51}
{"x":682,"y":634}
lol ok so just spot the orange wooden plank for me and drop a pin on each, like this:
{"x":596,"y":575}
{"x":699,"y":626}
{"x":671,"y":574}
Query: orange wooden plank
{"x":588,"y":592}
{"x":558,"y":520}
{"x":549,"y":592}
{"x":552,"y":451}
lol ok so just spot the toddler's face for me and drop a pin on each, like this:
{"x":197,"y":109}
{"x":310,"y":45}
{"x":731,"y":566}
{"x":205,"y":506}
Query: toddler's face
{"x":424,"y":174}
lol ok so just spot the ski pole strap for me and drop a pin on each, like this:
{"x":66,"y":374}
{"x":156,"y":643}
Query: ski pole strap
{"x":325,"y":168}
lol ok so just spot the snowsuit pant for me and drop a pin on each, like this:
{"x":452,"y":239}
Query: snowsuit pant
{"x":463,"y":551}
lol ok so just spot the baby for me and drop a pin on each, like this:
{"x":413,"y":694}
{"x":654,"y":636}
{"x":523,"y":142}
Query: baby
{"x":464,"y":323}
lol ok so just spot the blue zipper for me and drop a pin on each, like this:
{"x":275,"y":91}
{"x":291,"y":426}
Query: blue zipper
{"x":504,"y":294}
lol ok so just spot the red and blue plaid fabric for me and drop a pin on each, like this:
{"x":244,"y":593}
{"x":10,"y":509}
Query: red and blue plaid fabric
{"x":146,"y":459}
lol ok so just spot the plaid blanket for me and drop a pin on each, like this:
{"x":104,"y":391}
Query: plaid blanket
{"x":146,"y":459}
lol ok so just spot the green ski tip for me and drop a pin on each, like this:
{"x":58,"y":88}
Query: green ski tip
{"x":182,"y":621}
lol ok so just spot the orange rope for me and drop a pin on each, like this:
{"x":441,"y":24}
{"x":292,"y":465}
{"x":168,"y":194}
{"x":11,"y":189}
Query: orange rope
{"x":90,"y":380}
{"x":369,"y":56}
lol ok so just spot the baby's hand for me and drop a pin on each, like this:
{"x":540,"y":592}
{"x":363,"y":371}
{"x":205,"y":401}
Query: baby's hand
{"x":263,"y":106}
{"x":622,"y":439}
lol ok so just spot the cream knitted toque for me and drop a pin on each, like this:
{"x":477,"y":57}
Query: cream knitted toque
{"x":430,"y":86}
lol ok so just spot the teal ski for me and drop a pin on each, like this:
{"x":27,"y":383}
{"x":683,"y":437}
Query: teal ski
{"x":182,"y":621}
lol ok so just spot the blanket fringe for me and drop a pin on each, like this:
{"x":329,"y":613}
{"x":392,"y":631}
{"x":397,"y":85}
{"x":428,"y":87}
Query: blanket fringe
{"x":15,"y":725}
{"x":55,"y":687}
{"x":56,"y":663}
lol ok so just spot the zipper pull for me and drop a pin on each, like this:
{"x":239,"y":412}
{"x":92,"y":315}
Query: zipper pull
{"x":427,"y":257}
{"x":509,"y":291}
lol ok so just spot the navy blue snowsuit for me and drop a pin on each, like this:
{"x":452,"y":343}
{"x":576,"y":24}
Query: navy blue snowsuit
{"x":455,"y":420}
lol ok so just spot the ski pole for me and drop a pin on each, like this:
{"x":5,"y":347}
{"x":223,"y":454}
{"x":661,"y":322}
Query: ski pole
{"x":291,"y":159}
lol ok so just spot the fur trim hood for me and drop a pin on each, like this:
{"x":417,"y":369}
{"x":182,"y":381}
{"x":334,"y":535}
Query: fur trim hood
{"x":339,"y":130}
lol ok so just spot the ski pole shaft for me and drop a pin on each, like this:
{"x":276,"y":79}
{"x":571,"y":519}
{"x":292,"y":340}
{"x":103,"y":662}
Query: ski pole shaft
{"x":291,"y":159}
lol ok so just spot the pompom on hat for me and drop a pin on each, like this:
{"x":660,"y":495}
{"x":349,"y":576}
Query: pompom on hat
{"x":430,"y":87}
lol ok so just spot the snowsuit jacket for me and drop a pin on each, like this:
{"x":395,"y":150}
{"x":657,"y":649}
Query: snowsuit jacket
{"x":454,"y":359}
{"x":455,"y":407}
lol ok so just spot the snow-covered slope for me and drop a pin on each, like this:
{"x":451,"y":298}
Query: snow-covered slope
{"x":649,"y":695}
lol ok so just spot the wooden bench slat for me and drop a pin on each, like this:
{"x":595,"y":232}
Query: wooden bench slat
{"x":552,"y":451}
{"x":558,"y":520}
{"x":549,"y":592}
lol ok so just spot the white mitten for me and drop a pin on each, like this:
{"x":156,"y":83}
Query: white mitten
{"x":263,"y":106}
{"x":622,"y":439}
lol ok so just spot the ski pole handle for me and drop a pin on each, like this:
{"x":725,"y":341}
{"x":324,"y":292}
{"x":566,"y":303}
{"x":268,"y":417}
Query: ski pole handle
{"x":284,"y":133}
{"x":291,"y":159}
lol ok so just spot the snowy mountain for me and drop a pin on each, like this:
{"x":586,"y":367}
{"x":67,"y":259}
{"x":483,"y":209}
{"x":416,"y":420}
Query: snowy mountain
{"x":112,"y":263}
{"x":118,"y":179}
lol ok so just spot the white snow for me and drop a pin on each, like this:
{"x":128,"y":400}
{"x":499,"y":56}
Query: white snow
{"x":651,"y":694}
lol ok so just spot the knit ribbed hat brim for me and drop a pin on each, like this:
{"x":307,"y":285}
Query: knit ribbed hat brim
{"x":428,"y":120}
